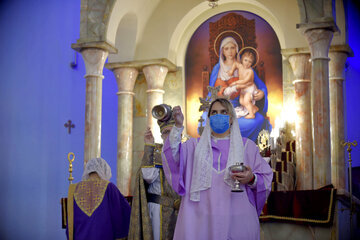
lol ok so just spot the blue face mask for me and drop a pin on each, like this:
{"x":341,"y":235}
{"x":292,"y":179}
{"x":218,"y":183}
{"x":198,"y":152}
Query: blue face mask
{"x":219,"y":123}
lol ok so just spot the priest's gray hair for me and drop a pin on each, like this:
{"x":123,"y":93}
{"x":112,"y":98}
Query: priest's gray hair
{"x":98,"y":165}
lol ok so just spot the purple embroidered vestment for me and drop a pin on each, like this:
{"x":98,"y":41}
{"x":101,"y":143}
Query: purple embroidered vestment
{"x":105,"y":216}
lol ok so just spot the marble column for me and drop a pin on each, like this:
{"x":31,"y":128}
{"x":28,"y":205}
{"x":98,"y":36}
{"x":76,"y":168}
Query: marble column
{"x":125,"y":78}
{"x":319,"y":42}
{"x":94,"y":59}
{"x":338,"y":56}
{"x":304,"y":162}
{"x":155,"y":77}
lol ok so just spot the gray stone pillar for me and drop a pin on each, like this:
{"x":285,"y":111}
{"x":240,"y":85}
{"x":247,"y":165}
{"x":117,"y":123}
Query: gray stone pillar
{"x":155,"y":77}
{"x":304,"y":161}
{"x":319,"y":43}
{"x":94,"y":62}
{"x":338,"y":56}
{"x":125,"y":78}
{"x":94,"y":55}
{"x":318,"y":26}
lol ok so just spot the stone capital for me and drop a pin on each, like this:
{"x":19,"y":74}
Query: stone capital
{"x":155,"y":76}
{"x":94,"y":59}
{"x":319,"y":42}
{"x":338,"y":55}
{"x":301,"y":66}
{"x":342,"y":48}
{"x":337,"y":65}
{"x":286,"y":53}
{"x":125,"y":78}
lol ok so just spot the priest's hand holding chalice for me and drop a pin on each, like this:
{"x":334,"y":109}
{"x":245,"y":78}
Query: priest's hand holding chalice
{"x":242,"y":175}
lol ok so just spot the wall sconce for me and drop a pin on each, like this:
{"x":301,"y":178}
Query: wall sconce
{"x":213,"y":3}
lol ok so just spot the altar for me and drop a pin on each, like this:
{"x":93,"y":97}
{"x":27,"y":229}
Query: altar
{"x":324,"y":213}
{"x":312,"y":214}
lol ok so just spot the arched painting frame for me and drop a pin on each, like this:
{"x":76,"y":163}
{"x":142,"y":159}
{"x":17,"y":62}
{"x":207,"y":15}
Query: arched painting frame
{"x":249,"y":30}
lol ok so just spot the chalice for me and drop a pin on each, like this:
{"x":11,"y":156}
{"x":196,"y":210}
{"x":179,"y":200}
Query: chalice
{"x":238,"y":167}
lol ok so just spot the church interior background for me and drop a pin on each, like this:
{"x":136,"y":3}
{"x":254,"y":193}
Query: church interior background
{"x":103,"y":64}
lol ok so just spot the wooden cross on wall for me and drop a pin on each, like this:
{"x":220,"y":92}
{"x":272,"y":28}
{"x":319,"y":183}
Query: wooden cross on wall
{"x":69,"y":125}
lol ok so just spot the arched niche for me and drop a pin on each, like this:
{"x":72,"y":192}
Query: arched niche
{"x":125,"y":41}
{"x":199,"y":14}
{"x":163,"y":33}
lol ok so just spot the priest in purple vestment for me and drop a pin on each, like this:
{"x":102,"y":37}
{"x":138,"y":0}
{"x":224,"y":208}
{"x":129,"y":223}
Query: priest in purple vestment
{"x":96,"y":208}
{"x":198,"y":170}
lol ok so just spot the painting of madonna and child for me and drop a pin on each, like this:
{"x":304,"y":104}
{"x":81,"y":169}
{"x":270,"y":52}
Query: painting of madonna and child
{"x":239,"y":52}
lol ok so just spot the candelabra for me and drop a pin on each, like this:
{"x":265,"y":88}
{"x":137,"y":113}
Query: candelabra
{"x":352,"y":209}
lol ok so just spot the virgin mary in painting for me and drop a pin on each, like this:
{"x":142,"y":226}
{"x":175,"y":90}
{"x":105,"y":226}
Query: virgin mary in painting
{"x":228,"y":53}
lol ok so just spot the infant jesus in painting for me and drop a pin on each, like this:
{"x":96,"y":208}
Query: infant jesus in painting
{"x":246,"y":76}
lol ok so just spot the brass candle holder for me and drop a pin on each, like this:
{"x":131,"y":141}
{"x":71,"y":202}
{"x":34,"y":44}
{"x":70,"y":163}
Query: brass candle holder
{"x":71,"y":158}
{"x":352,"y":209}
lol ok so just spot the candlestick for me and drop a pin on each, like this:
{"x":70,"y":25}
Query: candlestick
{"x":71,"y":158}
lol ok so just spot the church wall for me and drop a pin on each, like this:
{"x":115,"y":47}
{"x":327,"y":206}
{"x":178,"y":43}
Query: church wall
{"x":122,"y":8}
{"x":340,"y":37}
{"x":39,"y":92}
{"x":155,"y":40}
{"x":128,"y":27}
{"x":352,"y":78}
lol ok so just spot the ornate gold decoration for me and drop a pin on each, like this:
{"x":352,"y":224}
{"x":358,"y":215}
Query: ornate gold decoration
{"x":349,"y":149}
{"x":161,"y":206}
{"x":231,"y":33}
{"x":184,"y":138}
{"x":254,"y":51}
{"x":263,"y":140}
{"x":205,"y":104}
{"x":201,"y":127}
{"x":157,"y":155}
{"x":352,"y":206}
{"x":158,"y":148}
{"x":89,"y":194}
{"x":70,"y":210}
{"x":213,"y":3}
{"x":71,"y":158}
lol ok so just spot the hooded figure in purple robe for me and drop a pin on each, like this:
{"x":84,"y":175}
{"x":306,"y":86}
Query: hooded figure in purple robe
{"x":198,"y":170}
{"x":96,"y":207}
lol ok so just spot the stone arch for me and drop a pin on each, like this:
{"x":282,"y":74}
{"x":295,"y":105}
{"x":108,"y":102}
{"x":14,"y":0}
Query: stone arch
{"x":193,"y":19}
{"x":128,"y":27}
{"x":94,"y":19}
